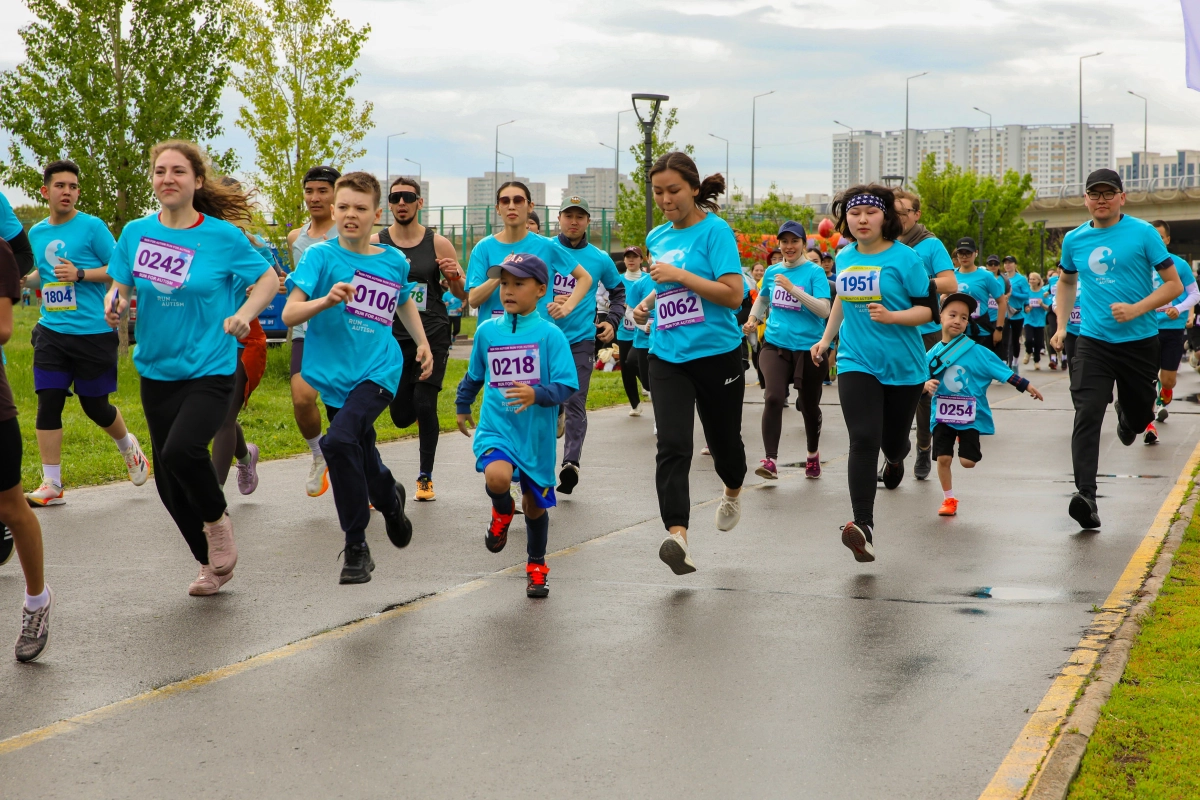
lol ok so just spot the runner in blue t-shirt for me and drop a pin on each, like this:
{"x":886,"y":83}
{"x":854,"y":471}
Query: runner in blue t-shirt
{"x":1035,"y":320}
{"x":13,"y":232}
{"x":633,"y":361}
{"x":1014,"y":323}
{"x":1114,"y":256}
{"x":454,"y":310}
{"x":986,"y":288}
{"x":1172,"y":328}
{"x":1052,"y":320}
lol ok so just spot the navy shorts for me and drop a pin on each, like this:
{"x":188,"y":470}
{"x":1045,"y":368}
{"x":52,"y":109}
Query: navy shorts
{"x":88,"y":361}
{"x":543,"y":496}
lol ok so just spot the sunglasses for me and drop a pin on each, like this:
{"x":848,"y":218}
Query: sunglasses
{"x":406,"y":197}
{"x":518,"y":200}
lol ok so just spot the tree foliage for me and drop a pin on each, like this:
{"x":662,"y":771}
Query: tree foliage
{"x":102,"y":83}
{"x":29,"y":216}
{"x":631,"y":203}
{"x":297,"y":61}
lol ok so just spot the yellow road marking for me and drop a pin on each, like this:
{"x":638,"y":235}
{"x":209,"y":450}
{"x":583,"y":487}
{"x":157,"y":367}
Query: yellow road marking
{"x":1028,"y":752}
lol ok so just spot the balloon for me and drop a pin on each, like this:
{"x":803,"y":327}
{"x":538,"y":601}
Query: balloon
{"x":825,"y":228}
{"x":813,"y":242}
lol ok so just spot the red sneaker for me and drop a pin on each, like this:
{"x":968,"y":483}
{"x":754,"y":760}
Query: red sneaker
{"x":497,"y":532}
{"x":949,"y":507}
{"x":539,"y":585}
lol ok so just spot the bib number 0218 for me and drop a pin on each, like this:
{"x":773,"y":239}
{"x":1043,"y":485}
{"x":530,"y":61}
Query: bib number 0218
{"x":514,"y":363}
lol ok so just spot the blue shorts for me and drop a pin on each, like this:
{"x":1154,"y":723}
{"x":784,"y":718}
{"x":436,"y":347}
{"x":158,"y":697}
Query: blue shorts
{"x":87,"y":361}
{"x":543,"y":496}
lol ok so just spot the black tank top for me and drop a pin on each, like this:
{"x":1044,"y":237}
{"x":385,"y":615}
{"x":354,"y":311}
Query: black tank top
{"x":422,"y":268}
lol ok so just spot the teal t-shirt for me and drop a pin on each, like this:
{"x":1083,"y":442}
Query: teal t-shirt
{"x":352,"y":343}
{"x":530,"y":437}
{"x":791,"y":326}
{"x":635,"y":292}
{"x":981,"y":284}
{"x":188,"y":282}
{"x":453,"y":305}
{"x":580,"y":324}
{"x":1039,"y":301}
{"x":1075,"y":320}
{"x":1115,"y":265}
{"x":689,"y":327}
{"x":894,"y":354}
{"x":490,"y":252}
{"x":87,"y":243}
{"x":10,"y":226}
{"x":937,"y":262}
{"x":1019,"y":297}
{"x":970,"y":372}
{"x":1165,"y":323}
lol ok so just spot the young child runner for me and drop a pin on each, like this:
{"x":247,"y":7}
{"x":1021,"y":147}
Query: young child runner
{"x":1035,"y":320}
{"x":638,"y":284}
{"x":348,"y":290}
{"x":22,"y":523}
{"x":797,"y":294}
{"x":524,"y":365}
{"x":960,"y":373}
{"x":1052,"y":320}
{"x":1172,"y":324}
{"x":191,"y":269}
{"x":454,"y":310}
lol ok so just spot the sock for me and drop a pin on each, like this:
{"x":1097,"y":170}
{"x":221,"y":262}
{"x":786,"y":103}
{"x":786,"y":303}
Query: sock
{"x":52,"y":473}
{"x":125,"y":443}
{"x":813,"y":455}
{"x":949,"y":494}
{"x":244,"y":460}
{"x":34,"y":602}
{"x":502,"y":501}
{"x":424,"y":475}
{"x":314,"y":444}
{"x":538,"y":531}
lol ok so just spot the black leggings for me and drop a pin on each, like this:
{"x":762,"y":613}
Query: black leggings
{"x":1035,"y":342}
{"x":417,"y":402}
{"x":631,"y":371}
{"x":878,"y":417}
{"x":455,"y":326}
{"x":52,"y":401}
{"x":230,"y":442}
{"x":783,"y":369}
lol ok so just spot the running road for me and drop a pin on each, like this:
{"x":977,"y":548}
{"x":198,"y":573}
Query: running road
{"x":780,"y":668}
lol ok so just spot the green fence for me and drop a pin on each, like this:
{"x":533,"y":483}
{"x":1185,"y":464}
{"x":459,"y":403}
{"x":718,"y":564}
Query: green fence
{"x":466,"y":225}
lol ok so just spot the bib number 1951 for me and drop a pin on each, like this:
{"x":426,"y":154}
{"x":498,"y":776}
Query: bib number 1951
{"x":860,"y":285}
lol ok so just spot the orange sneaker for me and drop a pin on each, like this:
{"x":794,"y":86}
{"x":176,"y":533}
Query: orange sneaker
{"x":539,"y":585}
{"x":425,"y":488}
{"x":949,"y":507}
{"x":497,"y":532}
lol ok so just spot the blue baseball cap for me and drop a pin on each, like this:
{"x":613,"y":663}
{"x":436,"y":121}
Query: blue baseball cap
{"x":522,"y":265}
{"x":794,"y":228}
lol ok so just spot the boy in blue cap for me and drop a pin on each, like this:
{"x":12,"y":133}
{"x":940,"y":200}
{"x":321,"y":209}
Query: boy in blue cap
{"x":523,"y":364}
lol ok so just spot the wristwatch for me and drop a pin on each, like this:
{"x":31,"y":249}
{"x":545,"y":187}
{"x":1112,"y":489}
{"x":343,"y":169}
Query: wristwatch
{"x":80,"y":275}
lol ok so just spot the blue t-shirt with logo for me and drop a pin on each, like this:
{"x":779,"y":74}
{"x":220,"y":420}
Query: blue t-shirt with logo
{"x":580,"y":324}
{"x":635,"y":292}
{"x":180,"y":329}
{"x":352,"y":343}
{"x":1039,"y":301}
{"x":894,"y":354}
{"x":1052,"y":287}
{"x":981,"y":284}
{"x":1019,"y":296}
{"x":1165,"y":323}
{"x":687,"y":326}
{"x":1116,"y":265}
{"x":969,"y":372}
{"x":87,"y":243}
{"x":791,"y":326}
{"x":937,"y":262}
{"x":10,"y":226}
{"x":453,"y":305}
{"x":490,"y":252}
{"x":1075,"y":319}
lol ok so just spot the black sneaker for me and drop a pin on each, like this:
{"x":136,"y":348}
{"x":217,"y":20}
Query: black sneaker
{"x":922,"y":465}
{"x":358,"y":564}
{"x":1125,"y":434}
{"x":892,"y":472}
{"x":568,"y":477}
{"x":399,"y":528}
{"x":1084,"y":511}
{"x":6,"y":544}
{"x":858,"y":539}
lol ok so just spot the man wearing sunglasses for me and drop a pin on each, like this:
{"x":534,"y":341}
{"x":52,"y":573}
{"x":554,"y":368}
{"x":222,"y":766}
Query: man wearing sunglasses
{"x":1116,"y":257}
{"x":431,"y":257}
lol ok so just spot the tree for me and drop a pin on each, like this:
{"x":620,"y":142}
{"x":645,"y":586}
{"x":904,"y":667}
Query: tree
{"x":757,"y":225}
{"x":297,"y":62}
{"x":30,"y":215}
{"x":631,"y":203}
{"x":102,"y":91}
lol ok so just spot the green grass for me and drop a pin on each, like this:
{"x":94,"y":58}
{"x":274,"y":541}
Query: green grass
{"x":90,"y":457}
{"x":1147,"y":742}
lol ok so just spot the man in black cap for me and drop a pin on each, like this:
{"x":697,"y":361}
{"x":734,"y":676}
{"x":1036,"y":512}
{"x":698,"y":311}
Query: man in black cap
{"x":1116,"y":256}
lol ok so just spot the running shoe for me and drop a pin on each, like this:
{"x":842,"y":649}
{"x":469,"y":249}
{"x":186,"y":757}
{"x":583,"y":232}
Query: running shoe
{"x":562,"y":425}
{"x":767,"y":469}
{"x":208,"y":583}
{"x":248,"y":473}
{"x":497,"y":532}
{"x":1165,"y":396}
{"x":704,"y":451}
{"x":1162,"y":414}
{"x":892,"y":473}
{"x":425,"y":489}
{"x":729,"y":512}
{"x":48,"y":494}
{"x":674,"y":553}
{"x":317,"y":482}
{"x":1124,"y":432}
{"x":858,"y":539}
{"x":1151,"y":435}
{"x":398,"y":525}
{"x":922,"y":464}
{"x":136,"y":463}
{"x":1026,"y":361}
{"x":1037,"y":367}
{"x":1084,"y":511}
{"x":949,"y":507}
{"x":812,"y":466}
{"x":222,"y":550}
{"x":539,"y":580}
{"x":635,"y":412}
{"x":1053,"y":364}
{"x":514,"y":492}
{"x":35,"y":631}
{"x":357,"y":564}
{"x":568,"y":477}
{"x":6,"y":544}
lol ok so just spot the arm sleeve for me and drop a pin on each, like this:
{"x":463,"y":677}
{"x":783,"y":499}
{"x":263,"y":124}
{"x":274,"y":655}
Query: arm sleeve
{"x":759,"y":309}
{"x":1067,"y":257}
{"x":472,"y":381}
{"x":1190,"y":298}
{"x":549,"y":395}
{"x":307,"y":273}
{"x":723,"y":253}
{"x":245,"y":263}
{"x":941,"y":260}
{"x":1156,"y":251}
{"x":476,"y":268}
{"x":616,"y":296}
{"x":22,"y":252}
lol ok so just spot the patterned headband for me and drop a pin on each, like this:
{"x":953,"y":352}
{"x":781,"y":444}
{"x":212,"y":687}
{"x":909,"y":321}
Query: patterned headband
{"x":865,"y":200}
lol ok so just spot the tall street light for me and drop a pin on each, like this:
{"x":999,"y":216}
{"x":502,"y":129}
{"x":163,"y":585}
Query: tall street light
{"x":1145,"y":130}
{"x":512,"y":166}
{"x":647,"y":122}
{"x":1081,"y":58}
{"x":849,"y":152}
{"x":616,"y":173}
{"x":388,"y":163}
{"x":418,"y":163}
{"x":728,"y":181}
{"x":906,"y":80}
{"x":496,"y":160}
{"x":753,"y":147}
{"x":618,"y":167}
{"x":989,"y":150}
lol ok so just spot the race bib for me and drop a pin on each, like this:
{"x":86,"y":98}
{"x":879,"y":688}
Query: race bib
{"x":514,"y":363}
{"x":1035,"y":302}
{"x":992,"y":304}
{"x":374,"y":297}
{"x":859,"y":285}
{"x":1076,"y":317}
{"x":563,"y":284}
{"x":162,"y":262}
{"x":497,"y":312}
{"x":954,"y":410}
{"x":1053,"y":290}
{"x":627,"y":320}
{"x":58,"y":297}
{"x":782,"y":298}
{"x":419,"y":296}
{"x":677,"y":307}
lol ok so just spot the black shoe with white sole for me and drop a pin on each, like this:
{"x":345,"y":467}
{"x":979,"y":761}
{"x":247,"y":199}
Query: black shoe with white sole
{"x":568,"y":477}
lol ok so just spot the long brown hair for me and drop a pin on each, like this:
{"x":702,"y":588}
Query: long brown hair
{"x":710,"y":188}
{"x":215,"y":197}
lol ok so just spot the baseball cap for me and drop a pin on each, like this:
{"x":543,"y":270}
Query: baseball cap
{"x":522,"y":265}
{"x":1103,"y":176}
{"x":575,"y":201}
{"x":322,"y":173}
{"x":1013,"y":259}
{"x":993,"y":260}
{"x":966,"y":243}
{"x":961,"y":297}
{"x":793,"y":227}
{"x":633,"y":248}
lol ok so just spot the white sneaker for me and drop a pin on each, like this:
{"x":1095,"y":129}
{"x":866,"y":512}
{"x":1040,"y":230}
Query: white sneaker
{"x":318,"y":478}
{"x":656,"y":429}
{"x":729,"y":512}
{"x":136,"y":463}
{"x":674,"y":553}
{"x":48,"y":494}
{"x":514,"y":492}
{"x":704,"y":451}
{"x":635,"y":412}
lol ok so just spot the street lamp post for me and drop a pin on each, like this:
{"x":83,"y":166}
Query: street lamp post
{"x":1081,"y":138}
{"x":496,"y":160}
{"x":618,"y":166}
{"x":989,"y":150}
{"x":418,"y":163}
{"x":1041,"y":223}
{"x":1145,"y":131}
{"x":388,"y":164}
{"x":904,"y":183}
{"x":753,"y":142}
{"x":849,"y":151}
{"x":728,"y":180}
{"x":647,"y":122}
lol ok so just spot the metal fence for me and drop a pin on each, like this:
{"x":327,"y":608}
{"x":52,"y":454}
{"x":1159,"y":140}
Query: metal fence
{"x":466,"y":225}
{"x":1135,"y":185}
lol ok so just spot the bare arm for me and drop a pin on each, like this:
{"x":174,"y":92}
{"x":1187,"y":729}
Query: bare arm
{"x":1064,"y":301}
{"x":482,"y":292}
{"x":1171,"y":288}
{"x":946,"y":283}
{"x":411,"y":319}
{"x":445,"y":252}
{"x":261,"y":296}
{"x":6,"y":319}
{"x":299,"y":309}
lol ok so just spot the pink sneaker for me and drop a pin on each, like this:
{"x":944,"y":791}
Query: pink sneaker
{"x":222,"y":551}
{"x":812,"y":466}
{"x":767,"y":469}
{"x":208,"y":582}
{"x":247,"y":474}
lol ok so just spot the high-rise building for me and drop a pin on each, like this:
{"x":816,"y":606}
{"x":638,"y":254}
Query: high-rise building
{"x":481,"y":194}
{"x":1050,"y":153}
{"x":598,"y":186}
{"x":1181,"y":168}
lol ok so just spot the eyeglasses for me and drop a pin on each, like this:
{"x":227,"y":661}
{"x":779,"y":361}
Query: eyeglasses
{"x":1106,"y":195}
{"x":518,"y":200}
{"x":407,"y":197}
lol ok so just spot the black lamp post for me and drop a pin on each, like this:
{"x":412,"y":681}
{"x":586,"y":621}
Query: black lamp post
{"x":647,"y":123}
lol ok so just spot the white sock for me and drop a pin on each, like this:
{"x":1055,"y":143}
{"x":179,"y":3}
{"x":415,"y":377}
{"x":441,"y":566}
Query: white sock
{"x":36,"y":601}
{"x":125,"y":443}
{"x":52,"y":473}
{"x":948,"y":494}
{"x":314,"y":444}
{"x":244,"y":459}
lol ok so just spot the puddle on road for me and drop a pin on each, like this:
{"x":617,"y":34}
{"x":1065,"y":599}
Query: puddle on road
{"x":1017,"y":593}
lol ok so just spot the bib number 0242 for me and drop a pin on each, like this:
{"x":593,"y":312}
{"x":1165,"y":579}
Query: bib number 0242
{"x":162,"y":262}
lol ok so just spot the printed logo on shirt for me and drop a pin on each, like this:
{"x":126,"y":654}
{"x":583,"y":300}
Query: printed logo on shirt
{"x":1101,"y":260}
{"x":55,"y":251}
{"x":955,"y":379}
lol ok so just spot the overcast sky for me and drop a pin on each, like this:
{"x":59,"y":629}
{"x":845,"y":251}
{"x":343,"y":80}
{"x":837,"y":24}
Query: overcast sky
{"x":447,"y":71}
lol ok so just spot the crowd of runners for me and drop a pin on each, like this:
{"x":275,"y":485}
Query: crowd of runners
{"x":915,"y":334}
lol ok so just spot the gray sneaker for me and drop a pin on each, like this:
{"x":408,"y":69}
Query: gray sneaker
{"x":35,"y":632}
